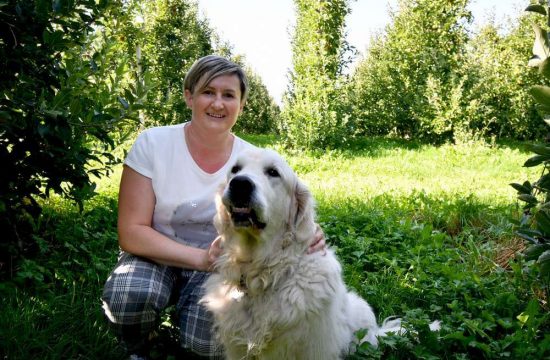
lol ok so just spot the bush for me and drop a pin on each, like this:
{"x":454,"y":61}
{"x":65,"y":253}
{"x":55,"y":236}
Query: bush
{"x":535,"y":223}
{"x":312,"y":115}
{"x":407,"y":84}
{"x":62,"y":94}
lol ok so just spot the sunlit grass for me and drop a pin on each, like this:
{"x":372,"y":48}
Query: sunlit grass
{"x":455,"y":170}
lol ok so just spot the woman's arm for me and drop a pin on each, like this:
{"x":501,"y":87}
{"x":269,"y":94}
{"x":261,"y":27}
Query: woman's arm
{"x":136,"y":203}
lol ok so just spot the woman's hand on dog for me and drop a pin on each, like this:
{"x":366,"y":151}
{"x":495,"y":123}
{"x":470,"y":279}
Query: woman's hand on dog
{"x":213,"y":253}
{"x":319,"y":242}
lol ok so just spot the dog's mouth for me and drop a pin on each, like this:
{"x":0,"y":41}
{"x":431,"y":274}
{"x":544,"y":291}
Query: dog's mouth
{"x":245,"y":217}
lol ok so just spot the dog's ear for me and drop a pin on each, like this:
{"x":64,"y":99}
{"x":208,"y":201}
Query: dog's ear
{"x":302,"y":205}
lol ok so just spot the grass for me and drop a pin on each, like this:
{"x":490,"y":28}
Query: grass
{"x":421,"y":231}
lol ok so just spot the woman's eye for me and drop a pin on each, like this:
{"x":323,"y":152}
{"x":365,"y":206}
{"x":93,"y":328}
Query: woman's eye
{"x":272,"y":172}
{"x":235,"y":169}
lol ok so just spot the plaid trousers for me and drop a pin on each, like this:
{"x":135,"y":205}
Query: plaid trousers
{"x":137,"y":291}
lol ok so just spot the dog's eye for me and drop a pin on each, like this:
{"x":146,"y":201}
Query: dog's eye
{"x":235,"y":169}
{"x":272,"y":172}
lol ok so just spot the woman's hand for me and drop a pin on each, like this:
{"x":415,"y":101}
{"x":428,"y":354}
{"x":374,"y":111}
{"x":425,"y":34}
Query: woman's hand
{"x":318,"y":243}
{"x":213,"y":253}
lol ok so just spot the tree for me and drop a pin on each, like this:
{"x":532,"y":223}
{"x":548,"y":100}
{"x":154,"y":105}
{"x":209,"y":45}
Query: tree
{"x":62,"y":93}
{"x":406,"y":83}
{"x":311,"y":114}
{"x":260,"y":113}
{"x":495,"y":101}
{"x":169,"y":37}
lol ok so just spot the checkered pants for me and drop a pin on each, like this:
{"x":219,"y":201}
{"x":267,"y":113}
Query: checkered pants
{"x":138,"y":290}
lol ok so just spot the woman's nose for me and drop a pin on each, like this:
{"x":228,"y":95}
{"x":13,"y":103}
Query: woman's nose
{"x":217,"y":103}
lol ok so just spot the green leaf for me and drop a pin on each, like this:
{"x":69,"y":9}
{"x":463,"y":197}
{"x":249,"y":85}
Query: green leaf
{"x":530,"y":314}
{"x":536,"y":8}
{"x":544,"y":263}
{"x":541,"y":94}
{"x":536,"y":160}
{"x":544,"y":183}
{"x":123,"y":102}
{"x":541,"y":48}
{"x":539,"y":149}
{"x":545,"y":256}
{"x":521,"y":189}
{"x":544,"y":68}
{"x":543,"y":109}
{"x":543,"y":222}
{"x":528,"y":198}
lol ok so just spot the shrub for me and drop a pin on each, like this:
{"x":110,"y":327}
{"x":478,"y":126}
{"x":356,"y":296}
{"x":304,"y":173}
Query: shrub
{"x":535,"y":223}
{"x":407,"y":83}
{"x":62,"y":94}
{"x":312,"y":116}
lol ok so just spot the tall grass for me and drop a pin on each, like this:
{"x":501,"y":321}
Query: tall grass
{"x":420,"y":230}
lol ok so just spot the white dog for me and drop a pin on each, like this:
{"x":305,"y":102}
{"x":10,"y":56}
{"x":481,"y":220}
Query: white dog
{"x":270,"y":299}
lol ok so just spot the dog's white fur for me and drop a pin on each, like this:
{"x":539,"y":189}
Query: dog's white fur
{"x":269,"y":298}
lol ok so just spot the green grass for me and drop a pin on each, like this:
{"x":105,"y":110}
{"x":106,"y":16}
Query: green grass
{"x":420,"y":230}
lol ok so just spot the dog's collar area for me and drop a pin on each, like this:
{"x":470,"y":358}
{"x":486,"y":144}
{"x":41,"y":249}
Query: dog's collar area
{"x":242,"y":285}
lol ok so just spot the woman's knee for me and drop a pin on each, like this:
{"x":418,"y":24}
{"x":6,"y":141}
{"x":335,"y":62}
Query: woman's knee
{"x":136,"y":291}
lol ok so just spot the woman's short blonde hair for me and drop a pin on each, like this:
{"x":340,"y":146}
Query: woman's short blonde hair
{"x":209,"y":67}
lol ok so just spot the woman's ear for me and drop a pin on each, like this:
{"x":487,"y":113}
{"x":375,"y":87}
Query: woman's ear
{"x":242,"y":107}
{"x":188,"y":98}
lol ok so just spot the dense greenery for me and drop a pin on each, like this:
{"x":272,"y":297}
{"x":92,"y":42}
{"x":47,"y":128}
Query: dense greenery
{"x":535,"y":223}
{"x":62,"y":94}
{"x":166,"y":37}
{"x":312,"y":116}
{"x":495,"y":101}
{"x":79,"y":77}
{"x":408,"y":82}
{"x":443,"y":84}
{"x":415,"y":237}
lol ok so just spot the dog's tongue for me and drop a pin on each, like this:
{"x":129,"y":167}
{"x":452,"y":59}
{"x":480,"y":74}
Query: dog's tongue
{"x":246,"y":218}
{"x":241,"y":210}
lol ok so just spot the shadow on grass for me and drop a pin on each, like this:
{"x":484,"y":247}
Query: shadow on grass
{"x":378,"y":145}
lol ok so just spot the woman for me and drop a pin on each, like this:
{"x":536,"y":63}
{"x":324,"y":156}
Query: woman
{"x":166,"y":207}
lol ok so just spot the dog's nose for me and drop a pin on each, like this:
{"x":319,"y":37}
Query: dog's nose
{"x":240,"y":190}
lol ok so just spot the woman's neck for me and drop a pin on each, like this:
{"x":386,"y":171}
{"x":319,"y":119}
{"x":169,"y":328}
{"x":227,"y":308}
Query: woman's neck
{"x":210,"y":151}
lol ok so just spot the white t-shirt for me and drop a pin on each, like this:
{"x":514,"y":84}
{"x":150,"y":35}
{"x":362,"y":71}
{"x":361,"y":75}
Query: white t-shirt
{"x":184,"y":193}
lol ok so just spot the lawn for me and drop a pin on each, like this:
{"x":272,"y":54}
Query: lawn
{"x":423,"y":231}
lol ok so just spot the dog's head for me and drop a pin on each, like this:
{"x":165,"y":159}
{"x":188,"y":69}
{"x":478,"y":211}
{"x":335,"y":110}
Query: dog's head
{"x":264,"y":199}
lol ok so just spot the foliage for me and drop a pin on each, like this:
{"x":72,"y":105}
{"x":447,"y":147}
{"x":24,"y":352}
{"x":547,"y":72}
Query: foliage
{"x":51,"y":308}
{"x":313,"y":116}
{"x":535,"y":223}
{"x":260,"y":113}
{"x":494,"y":102}
{"x":167,"y":37}
{"x":62,"y":94}
{"x":405,"y":263}
{"x":407,"y":83}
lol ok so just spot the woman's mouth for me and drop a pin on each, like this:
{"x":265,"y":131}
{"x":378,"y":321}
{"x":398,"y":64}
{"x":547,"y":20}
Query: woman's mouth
{"x":217,"y":116}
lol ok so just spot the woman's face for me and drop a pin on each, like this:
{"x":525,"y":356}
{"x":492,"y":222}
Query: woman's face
{"x":216,"y":107}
